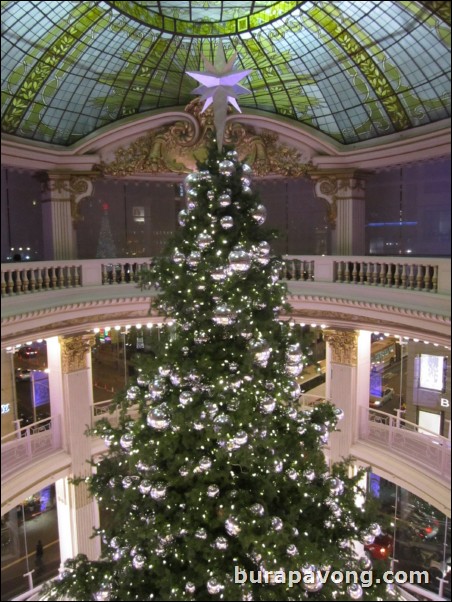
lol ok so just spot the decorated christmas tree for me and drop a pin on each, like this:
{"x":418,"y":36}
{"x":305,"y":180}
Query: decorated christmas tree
{"x":106,"y":245}
{"x":219,"y":489}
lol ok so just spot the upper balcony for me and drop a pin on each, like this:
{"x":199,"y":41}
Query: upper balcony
{"x":401,"y":295}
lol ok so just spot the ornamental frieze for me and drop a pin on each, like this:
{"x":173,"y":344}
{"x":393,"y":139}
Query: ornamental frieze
{"x":176,"y":148}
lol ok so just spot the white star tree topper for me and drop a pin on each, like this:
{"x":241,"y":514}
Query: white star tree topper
{"x":220,"y":85}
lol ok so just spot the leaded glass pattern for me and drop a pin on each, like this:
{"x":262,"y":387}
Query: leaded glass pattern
{"x":355,"y":71}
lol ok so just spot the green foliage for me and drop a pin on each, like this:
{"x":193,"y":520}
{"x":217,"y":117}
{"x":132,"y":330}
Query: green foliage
{"x":220,"y":468}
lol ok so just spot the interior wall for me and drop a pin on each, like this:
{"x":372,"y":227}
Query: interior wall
{"x":408,"y":210}
{"x":407,"y":213}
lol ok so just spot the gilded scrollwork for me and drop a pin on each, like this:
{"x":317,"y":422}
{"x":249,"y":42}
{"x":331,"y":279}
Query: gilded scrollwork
{"x":344,"y":346}
{"x":177,"y":147}
{"x":74,"y":352}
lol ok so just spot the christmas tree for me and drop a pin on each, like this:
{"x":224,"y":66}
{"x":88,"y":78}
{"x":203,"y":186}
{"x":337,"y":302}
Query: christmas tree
{"x":221,"y":480}
{"x":106,"y":245}
{"x":219,"y":489}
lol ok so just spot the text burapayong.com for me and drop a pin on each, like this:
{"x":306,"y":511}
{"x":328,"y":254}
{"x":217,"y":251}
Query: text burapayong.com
{"x":363,"y":578}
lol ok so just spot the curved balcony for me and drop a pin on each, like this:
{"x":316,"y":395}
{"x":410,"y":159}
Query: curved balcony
{"x":372,"y":293}
{"x":384,"y":293}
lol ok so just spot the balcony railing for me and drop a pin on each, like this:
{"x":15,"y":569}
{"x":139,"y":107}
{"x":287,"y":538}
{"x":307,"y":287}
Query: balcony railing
{"x":30,"y":443}
{"x":430,"y":275}
{"x":408,"y":440}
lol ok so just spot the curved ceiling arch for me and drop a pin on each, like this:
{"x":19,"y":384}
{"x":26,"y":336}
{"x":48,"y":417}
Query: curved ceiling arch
{"x":354,"y":71}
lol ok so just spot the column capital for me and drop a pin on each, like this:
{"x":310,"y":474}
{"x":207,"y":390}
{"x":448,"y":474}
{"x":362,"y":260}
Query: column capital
{"x":62,"y":186}
{"x":74,"y":351}
{"x":344,"y":346}
{"x":336,"y":185}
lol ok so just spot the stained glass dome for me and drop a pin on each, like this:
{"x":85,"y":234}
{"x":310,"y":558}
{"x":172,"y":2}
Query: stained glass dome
{"x":352,"y":71}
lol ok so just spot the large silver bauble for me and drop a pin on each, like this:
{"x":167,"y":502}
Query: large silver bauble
{"x":182,"y":217}
{"x":232,"y":526}
{"x":102,"y":594}
{"x":126,"y":441}
{"x":368,"y":539}
{"x":294,"y":390}
{"x":263,"y":249}
{"x":219,"y":274}
{"x":240,"y":259}
{"x":227,"y":222}
{"x":226,"y":168}
{"x":191,"y":205}
{"x":311,"y":581}
{"x":259,"y":214}
{"x":214,"y":587}
{"x":213,"y":490}
{"x":355,"y":591}
{"x":185,"y":398}
{"x":133,"y":393}
{"x":375,"y":529}
{"x":178,"y":257}
{"x":225,"y":198}
{"x":262,"y":351}
{"x":339,"y":413}
{"x":224,"y":315}
{"x":158,"y":491}
{"x":336,"y":486}
{"x":221,"y":543}
{"x":293,"y":353}
{"x":204,"y":240}
{"x":257,"y":510}
{"x":193,"y":259}
{"x":267,"y":405}
{"x":294,"y":369}
{"x":232,"y":155}
{"x":292,"y":550}
{"x":277,"y":523}
{"x":158,"y":418}
{"x":138,"y":561}
{"x":240,"y":439}
{"x":247,"y":170}
{"x":309,"y":474}
{"x":156,"y":389}
{"x":143,"y":380}
{"x":145,"y":486}
{"x":205,"y":463}
{"x":191,"y":180}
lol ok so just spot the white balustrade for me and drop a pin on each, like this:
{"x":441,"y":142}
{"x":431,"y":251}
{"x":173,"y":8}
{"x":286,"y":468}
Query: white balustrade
{"x":426,"y":275}
{"x":406,"y":439}
{"x":30,"y":443}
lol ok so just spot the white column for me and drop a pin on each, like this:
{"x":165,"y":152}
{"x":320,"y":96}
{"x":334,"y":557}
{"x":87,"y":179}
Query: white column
{"x":9,"y":407}
{"x":345,"y":193}
{"x":71,"y":394}
{"x":60,"y":194}
{"x":348,"y":381}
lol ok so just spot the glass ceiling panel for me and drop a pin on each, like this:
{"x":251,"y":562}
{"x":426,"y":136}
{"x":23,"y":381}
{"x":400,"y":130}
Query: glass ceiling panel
{"x":352,"y":70}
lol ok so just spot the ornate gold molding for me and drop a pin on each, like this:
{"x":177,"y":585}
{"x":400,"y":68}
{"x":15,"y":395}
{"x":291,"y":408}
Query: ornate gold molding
{"x":344,"y":346}
{"x":66,"y":187}
{"x":74,"y":352}
{"x":177,"y":147}
{"x":337,"y":186}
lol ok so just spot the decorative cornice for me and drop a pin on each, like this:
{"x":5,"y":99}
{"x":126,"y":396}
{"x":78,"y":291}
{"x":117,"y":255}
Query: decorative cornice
{"x":72,"y":318}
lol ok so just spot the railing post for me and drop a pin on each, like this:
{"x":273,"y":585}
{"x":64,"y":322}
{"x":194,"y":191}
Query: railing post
{"x":398,"y":418}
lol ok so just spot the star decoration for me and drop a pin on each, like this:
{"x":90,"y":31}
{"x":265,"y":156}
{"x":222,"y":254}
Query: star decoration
{"x":220,"y":86}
